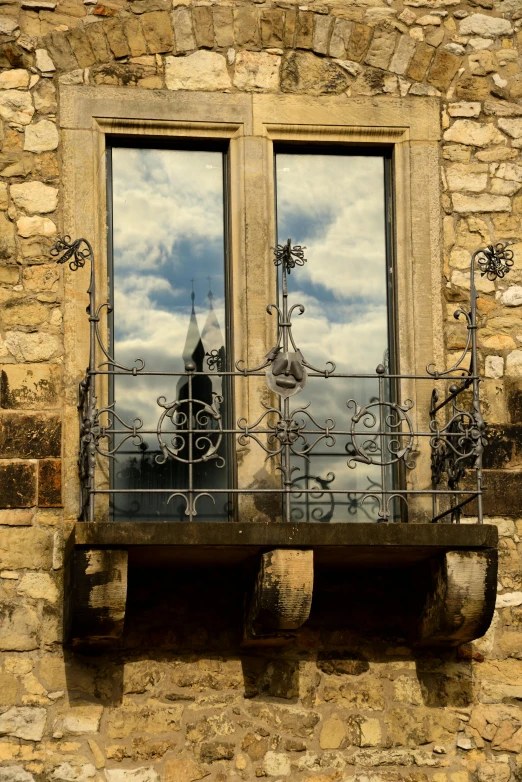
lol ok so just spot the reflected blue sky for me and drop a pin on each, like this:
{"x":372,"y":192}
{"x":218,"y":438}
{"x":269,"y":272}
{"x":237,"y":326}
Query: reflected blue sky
{"x":335,"y":206}
{"x":169,"y":308}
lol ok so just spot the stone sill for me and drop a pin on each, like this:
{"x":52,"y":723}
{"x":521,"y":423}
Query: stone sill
{"x":361,"y":544}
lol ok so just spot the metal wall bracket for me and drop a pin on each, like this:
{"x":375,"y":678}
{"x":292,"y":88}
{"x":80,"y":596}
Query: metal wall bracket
{"x":281,"y":597}
{"x":460,"y":603}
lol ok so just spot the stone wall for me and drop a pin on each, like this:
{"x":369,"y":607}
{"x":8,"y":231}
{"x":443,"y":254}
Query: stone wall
{"x":179,"y":699}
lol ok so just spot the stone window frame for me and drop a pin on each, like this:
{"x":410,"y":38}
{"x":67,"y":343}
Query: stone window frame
{"x":252,"y":123}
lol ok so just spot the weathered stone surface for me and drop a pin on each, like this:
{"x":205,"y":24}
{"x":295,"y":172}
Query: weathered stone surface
{"x":381,"y":49}
{"x":28,"y":547}
{"x":83,"y":718}
{"x":145,"y":774}
{"x":420,"y":62}
{"x":14,"y":79}
{"x":276,"y":764}
{"x":30,"y":347}
{"x":322,"y":30}
{"x":513,"y":127}
{"x":183,"y":770}
{"x":41,"y":137}
{"x":199,"y":71}
{"x":246,"y":26}
{"x":223,"y":26}
{"x":44,"y":95}
{"x":39,"y":586}
{"x":115,"y":36}
{"x":359,"y":42}
{"x":494,"y":366}
{"x":74,"y":772}
{"x":257,"y":72}
{"x":305,"y":30}
{"x":403,"y":55}
{"x":23,"y":723}
{"x":43,"y":61}
{"x":443,"y":68}
{"x":157,"y":30}
{"x":19,"y":627}
{"x":81,"y":48}
{"x":464,"y":109}
{"x":332,"y":734}
{"x":340,"y":38}
{"x":203,"y":27}
{"x":302,"y":72}
{"x":152,"y":717}
{"x":213,"y":751}
{"x":7,"y":238}
{"x":482,"y":203}
{"x":30,"y":435}
{"x":467,"y":131}
{"x":183,"y":32}
{"x":459,"y":178}
{"x":35,"y":197}
{"x":486,"y":25}
{"x":49,"y":483}
{"x":16,"y":107}
{"x":35,"y":226}
{"x":15,"y":774}
{"x":17,"y":486}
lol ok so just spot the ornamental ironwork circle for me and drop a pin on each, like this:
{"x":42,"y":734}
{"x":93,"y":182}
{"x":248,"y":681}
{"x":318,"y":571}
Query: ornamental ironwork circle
{"x":392,"y":438}
{"x":195,"y":423}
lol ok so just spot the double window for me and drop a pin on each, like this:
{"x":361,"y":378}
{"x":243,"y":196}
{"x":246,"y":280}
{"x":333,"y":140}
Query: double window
{"x":210,"y":432}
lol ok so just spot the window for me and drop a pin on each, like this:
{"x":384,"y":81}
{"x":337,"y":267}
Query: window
{"x":168,"y":294}
{"x":190,"y":266}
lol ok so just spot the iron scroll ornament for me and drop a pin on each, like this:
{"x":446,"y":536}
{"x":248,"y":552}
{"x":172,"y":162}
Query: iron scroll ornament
{"x":381,"y":432}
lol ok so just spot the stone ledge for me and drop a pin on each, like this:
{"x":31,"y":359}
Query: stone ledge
{"x":357,"y":543}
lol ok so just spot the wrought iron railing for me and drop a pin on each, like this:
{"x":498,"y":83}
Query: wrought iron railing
{"x":383,"y":435}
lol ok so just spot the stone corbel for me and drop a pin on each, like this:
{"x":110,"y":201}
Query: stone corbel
{"x":461,"y":600}
{"x":281,"y":598}
{"x":96,"y":596}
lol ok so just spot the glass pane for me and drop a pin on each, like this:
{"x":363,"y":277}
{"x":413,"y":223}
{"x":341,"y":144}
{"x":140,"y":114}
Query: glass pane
{"x":335,"y":206}
{"x":168,"y":281}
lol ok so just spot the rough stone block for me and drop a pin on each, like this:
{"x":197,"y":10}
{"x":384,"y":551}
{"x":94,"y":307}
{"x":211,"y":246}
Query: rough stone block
{"x":420,"y":61}
{"x":157,"y":30}
{"x":305,"y":30}
{"x":359,"y":42}
{"x":25,"y":547}
{"x":303,"y":72}
{"x":23,"y":723}
{"x":30,"y":435}
{"x":272,"y":28}
{"x":81,"y":47}
{"x":60,"y":51}
{"x":135,"y":37}
{"x":290,"y":28}
{"x":323,"y":24}
{"x":223,"y":26}
{"x":19,"y":625}
{"x":199,"y":71}
{"x":381,"y":49}
{"x":443,"y":68}
{"x":183,"y":32}
{"x":30,"y":386}
{"x":115,"y":36}
{"x":203,"y":27}
{"x":502,"y":493}
{"x":340,"y":39}
{"x":98,"y":42}
{"x":257,"y":72}
{"x":17,"y":485}
{"x":246,"y":26}
{"x":50,"y":483}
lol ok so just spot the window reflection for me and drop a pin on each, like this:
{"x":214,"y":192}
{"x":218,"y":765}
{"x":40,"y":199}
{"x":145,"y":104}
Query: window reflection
{"x":168,"y":290}
{"x":334,"y":204}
